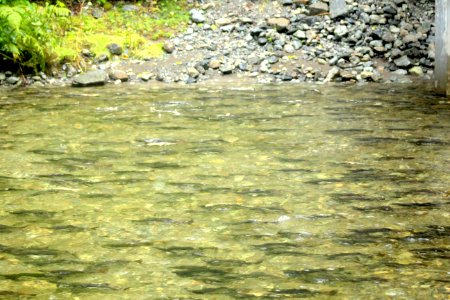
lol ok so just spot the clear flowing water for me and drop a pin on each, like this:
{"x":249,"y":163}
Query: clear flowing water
{"x":265,"y":192}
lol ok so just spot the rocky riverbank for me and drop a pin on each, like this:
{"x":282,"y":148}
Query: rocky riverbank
{"x":277,"y":41}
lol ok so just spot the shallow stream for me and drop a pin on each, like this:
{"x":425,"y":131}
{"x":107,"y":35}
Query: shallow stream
{"x":262,"y":192}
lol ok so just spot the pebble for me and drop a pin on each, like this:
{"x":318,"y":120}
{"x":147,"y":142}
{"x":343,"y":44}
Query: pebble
{"x":197,"y":16}
{"x":118,"y":75}
{"x":214,"y":64}
{"x":402,"y":62}
{"x":416,"y":71}
{"x":114,"y":49}
{"x":169,"y":46}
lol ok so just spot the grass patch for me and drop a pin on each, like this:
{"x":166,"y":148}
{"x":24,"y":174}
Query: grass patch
{"x":138,"y":32}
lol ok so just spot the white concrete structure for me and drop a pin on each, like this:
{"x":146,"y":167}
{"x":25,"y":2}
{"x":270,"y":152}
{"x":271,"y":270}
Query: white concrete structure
{"x":442,"y":60}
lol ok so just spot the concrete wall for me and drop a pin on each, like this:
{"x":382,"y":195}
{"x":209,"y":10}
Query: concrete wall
{"x":442,"y":69}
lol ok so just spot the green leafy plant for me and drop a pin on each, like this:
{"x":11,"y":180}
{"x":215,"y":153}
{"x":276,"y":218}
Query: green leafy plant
{"x":28,"y":32}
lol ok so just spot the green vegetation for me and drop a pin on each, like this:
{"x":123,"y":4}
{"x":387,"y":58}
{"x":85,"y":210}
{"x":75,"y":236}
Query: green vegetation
{"x":29,"y":32}
{"x":38,"y":36}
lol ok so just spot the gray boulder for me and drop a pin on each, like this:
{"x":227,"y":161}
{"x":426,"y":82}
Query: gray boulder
{"x":318,"y":8}
{"x":97,"y":13}
{"x":118,"y":75}
{"x":91,"y":78}
{"x":402,"y":62}
{"x":12,"y":80}
{"x":416,"y":71}
{"x":224,"y":21}
{"x":114,"y":49}
{"x":197,"y":16}
{"x":340,"y":31}
{"x":279,"y":23}
{"x":338,"y":8}
{"x":169,"y":46}
{"x":130,"y":8}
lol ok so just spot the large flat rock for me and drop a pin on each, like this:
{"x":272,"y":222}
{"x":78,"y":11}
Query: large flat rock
{"x":91,"y":78}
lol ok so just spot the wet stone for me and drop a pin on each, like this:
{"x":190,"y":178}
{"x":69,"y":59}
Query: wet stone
{"x":118,"y":75}
{"x":226,"y":69}
{"x":280,"y":24}
{"x":12,"y":80}
{"x":130,"y":8}
{"x":197,"y":16}
{"x":402,"y":62}
{"x":91,"y":78}
{"x":318,"y":8}
{"x":338,"y":8}
{"x":224,"y":21}
{"x":114,"y":49}
{"x":262,"y":41}
{"x":169,"y":46}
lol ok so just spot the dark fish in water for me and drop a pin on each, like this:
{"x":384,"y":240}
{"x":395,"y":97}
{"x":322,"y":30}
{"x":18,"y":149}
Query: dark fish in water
{"x":46,"y":152}
{"x":6,"y":228}
{"x":163,"y":220}
{"x":348,"y":131}
{"x":417,"y":192}
{"x":85,"y":286}
{"x":216,"y":291}
{"x":190,"y":271}
{"x":229,"y":262}
{"x":68,"y":228}
{"x":397,"y":158}
{"x":229,"y":207}
{"x":417,"y":205}
{"x":18,"y":276}
{"x":296,"y":171}
{"x":324,"y":181}
{"x":347,"y":197}
{"x":429,"y":142}
{"x":291,"y":160}
{"x":373,"y":208}
{"x":302,"y":293}
{"x":131,"y":244}
{"x":30,"y":251}
{"x":377,"y":140}
{"x":160,"y":165}
{"x":369,"y":231}
{"x":34,"y":212}
{"x":432,"y":253}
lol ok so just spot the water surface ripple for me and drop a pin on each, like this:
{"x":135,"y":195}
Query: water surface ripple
{"x":264,"y":192}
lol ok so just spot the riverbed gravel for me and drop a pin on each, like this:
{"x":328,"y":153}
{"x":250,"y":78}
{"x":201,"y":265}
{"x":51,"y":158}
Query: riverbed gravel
{"x":278,"y":41}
